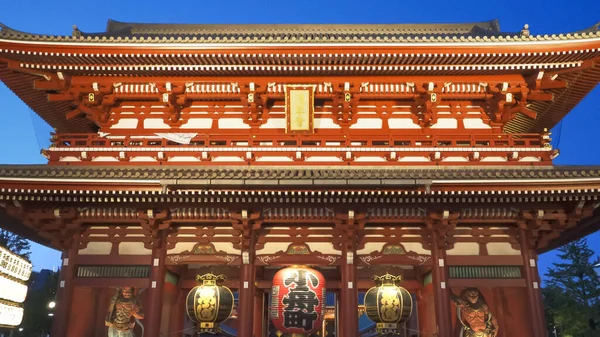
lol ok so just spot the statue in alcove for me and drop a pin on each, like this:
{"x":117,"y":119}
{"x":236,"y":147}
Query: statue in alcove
{"x":124,"y":310}
{"x":474,"y":314}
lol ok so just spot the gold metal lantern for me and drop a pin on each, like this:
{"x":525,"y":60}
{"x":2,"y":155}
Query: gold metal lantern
{"x":210,"y":303}
{"x":388,"y":304}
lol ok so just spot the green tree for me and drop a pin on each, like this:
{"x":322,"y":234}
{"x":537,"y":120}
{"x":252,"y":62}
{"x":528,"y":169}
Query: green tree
{"x":572,"y":297}
{"x":15,"y":243}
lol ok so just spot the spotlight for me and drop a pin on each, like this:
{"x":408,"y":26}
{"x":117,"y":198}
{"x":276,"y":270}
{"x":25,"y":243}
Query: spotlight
{"x":20,"y":329}
{"x":51,"y":305}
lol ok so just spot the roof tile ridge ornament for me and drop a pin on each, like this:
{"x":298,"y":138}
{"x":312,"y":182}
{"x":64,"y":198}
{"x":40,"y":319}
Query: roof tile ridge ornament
{"x":525,"y":31}
{"x":76,"y":32}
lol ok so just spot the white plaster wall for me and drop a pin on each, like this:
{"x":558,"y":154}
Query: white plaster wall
{"x":96,"y":248}
{"x":323,"y":247}
{"x":501,"y":248}
{"x":133,"y":248}
{"x":464,"y":248}
{"x":227,"y":247}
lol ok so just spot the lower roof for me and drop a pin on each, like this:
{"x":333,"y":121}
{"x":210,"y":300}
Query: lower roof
{"x":570,"y":183}
{"x":296,"y":173}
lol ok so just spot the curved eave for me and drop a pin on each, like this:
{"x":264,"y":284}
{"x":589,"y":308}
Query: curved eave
{"x":194,"y":43}
{"x":14,"y":225}
{"x":585,"y":227}
{"x":52,"y":112}
{"x":88,"y":58}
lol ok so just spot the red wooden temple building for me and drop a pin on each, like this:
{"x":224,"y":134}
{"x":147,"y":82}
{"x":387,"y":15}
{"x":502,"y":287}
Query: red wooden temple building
{"x":359,"y":150}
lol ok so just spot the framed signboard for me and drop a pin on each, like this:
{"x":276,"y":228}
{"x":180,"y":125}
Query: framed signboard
{"x":299,"y":108}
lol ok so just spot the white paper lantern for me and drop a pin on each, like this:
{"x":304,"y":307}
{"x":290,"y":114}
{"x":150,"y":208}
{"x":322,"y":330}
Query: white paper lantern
{"x":14,"y":265}
{"x":10,"y":315}
{"x":12,"y":290}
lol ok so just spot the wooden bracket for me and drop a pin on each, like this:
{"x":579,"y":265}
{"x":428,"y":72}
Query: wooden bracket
{"x":349,"y":230}
{"x":248,"y":224}
{"x":443,"y":225}
{"x":344,"y":105}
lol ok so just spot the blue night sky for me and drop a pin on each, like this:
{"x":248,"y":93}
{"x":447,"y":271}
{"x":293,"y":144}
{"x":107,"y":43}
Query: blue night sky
{"x":23,"y":133}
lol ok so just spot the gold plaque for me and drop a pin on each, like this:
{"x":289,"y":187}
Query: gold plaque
{"x":299,"y":108}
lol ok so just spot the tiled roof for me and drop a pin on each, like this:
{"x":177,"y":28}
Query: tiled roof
{"x":298,"y":33}
{"x":268,"y":173}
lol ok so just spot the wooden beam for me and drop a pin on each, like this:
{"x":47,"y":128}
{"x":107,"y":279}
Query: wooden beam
{"x":490,"y":260}
{"x":487,"y":283}
{"x":109,"y":260}
{"x":112,"y":282}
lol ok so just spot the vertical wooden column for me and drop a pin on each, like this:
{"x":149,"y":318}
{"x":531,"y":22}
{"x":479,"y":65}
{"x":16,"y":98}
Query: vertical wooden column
{"x":540,"y":301}
{"x":440,"y":291}
{"x":349,"y":294}
{"x":532,"y":285}
{"x":153,"y":310}
{"x":66,"y":286}
{"x":348,"y":229}
{"x":246,"y":295}
{"x":102,"y":294}
{"x":259,"y":313}
{"x":248,"y":224}
{"x":178,"y":314}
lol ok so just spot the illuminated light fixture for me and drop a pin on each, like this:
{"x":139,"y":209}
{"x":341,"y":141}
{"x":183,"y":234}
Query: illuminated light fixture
{"x":50,"y":314}
{"x":51,"y":305}
{"x":13,"y":265}
{"x":388,"y":304}
{"x":20,"y":329}
{"x":554,"y":77}
{"x":12,"y":290}
{"x":210,"y":303}
{"x":10,"y":315}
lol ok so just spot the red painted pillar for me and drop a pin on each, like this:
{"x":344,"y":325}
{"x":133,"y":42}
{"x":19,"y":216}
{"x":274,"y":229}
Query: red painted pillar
{"x":178,"y":314}
{"x":103,"y":297}
{"x":259,"y":317}
{"x":440,"y":291}
{"x":532,"y":284}
{"x":158,"y":271}
{"x":539,"y":300}
{"x":246,"y":296}
{"x":349,"y":295}
{"x":66,"y":286}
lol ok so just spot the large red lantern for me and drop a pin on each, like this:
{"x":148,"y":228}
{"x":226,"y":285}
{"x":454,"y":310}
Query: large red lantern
{"x":298,"y":300}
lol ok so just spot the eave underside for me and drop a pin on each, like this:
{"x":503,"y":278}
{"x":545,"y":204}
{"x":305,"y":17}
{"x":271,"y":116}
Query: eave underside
{"x":576,"y":64}
{"x":562,"y":203}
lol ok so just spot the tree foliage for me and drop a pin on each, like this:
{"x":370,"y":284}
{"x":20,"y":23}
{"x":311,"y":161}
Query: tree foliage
{"x":15,"y":243}
{"x":572,"y":297}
